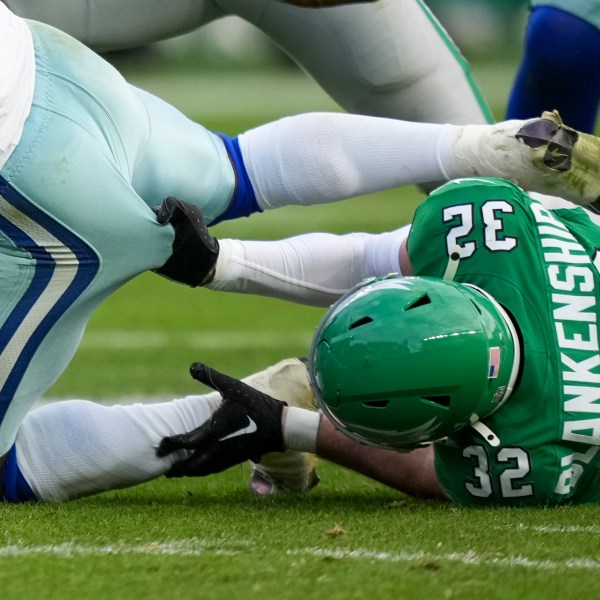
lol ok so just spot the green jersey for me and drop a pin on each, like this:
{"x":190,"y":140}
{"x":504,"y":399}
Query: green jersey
{"x":542,"y":267}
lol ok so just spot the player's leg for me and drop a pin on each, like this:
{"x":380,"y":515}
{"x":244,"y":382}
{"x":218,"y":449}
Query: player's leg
{"x":75,"y":448}
{"x":324,"y":157}
{"x":388,"y":58}
{"x":116,"y":25}
{"x":72,"y":228}
{"x":300,"y":160}
{"x":69,"y":449}
{"x":306,"y":159}
{"x":562,"y":75}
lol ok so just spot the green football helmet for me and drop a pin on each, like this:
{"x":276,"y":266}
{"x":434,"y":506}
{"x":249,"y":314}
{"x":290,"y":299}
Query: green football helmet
{"x":403,"y":361}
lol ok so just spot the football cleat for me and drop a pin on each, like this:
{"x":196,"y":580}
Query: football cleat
{"x":288,"y":471}
{"x":294,"y":472}
{"x":541,"y":155}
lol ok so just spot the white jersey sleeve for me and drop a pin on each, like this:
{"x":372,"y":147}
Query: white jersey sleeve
{"x":17,"y":79}
{"x":313,"y":268}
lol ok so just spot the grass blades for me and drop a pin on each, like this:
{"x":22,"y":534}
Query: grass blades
{"x":348,"y":539}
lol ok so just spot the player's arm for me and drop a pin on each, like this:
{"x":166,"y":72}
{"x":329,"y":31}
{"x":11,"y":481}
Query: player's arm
{"x":412,"y":472}
{"x":249,"y":424}
{"x":314,"y":268}
{"x":403,"y":259}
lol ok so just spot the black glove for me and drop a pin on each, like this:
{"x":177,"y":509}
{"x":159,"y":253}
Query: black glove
{"x":245,"y":426}
{"x":195,"y":250}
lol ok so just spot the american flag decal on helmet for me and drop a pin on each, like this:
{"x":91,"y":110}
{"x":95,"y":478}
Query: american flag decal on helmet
{"x":494,"y":362}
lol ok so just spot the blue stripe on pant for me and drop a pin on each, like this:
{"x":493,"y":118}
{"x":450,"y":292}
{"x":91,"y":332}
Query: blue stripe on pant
{"x":44,"y":302}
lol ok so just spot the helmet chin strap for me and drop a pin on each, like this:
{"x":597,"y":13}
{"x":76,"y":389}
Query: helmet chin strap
{"x":452,"y":266}
{"x":485,"y":432}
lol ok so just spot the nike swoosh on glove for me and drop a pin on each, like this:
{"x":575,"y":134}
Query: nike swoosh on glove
{"x":245,"y":426}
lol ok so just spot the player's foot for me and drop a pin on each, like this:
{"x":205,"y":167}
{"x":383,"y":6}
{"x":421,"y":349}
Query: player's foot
{"x":287,"y":471}
{"x":541,"y":155}
{"x":295,"y":472}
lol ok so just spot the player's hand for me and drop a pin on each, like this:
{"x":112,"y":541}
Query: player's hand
{"x":195,"y":250}
{"x":245,"y":426}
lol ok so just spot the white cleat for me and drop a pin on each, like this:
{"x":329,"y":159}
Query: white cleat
{"x":293,"y":472}
{"x":288,"y":471}
{"x":541,"y":155}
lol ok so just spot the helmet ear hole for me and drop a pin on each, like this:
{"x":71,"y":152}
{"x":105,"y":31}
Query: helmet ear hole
{"x":376,"y":403}
{"x":439,"y":400}
{"x":361,"y":322}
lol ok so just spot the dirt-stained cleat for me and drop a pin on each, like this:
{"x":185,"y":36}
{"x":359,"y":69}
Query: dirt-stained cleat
{"x":287,"y":471}
{"x":555,"y":139}
{"x":542,"y":155}
{"x":294,"y":472}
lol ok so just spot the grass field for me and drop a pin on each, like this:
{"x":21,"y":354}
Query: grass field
{"x":209,"y":539}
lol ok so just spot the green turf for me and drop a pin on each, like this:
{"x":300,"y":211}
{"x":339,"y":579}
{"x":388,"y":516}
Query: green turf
{"x":349,"y":539}
{"x":209,"y":539}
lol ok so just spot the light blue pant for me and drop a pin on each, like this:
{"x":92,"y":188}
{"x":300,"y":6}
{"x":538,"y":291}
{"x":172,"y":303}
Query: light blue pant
{"x":75,"y":217}
{"x":389,"y":58}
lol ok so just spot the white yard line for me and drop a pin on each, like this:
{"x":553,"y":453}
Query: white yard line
{"x":587,"y":529}
{"x":117,"y":339}
{"x":469,"y":558}
{"x":201,"y":547}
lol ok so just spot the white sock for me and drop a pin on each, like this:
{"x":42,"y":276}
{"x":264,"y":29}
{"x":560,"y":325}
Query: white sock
{"x":486,"y":151}
{"x":315,"y":268}
{"x":75,"y":448}
{"x":324,"y":157}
